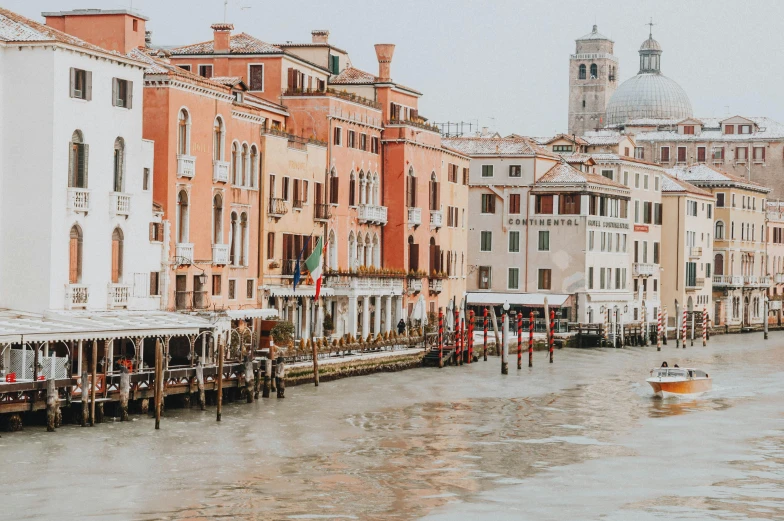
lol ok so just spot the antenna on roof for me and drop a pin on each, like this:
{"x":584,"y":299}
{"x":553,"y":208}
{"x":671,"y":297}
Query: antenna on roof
{"x":650,"y":28}
{"x":225,"y":9}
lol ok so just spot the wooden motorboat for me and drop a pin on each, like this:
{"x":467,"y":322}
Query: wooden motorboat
{"x":677,"y":380}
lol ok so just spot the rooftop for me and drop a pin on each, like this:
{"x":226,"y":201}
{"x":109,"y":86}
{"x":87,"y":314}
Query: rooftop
{"x":480,"y":146}
{"x":93,"y":12}
{"x":704,"y":175}
{"x":672,"y":185}
{"x":711,"y":131}
{"x":563,"y":173}
{"x":593,"y":35}
{"x":241,"y":43}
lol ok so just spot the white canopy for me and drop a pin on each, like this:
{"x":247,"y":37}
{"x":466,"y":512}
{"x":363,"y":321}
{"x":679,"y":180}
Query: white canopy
{"x":515,"y":299}
{"x":242,"y":314}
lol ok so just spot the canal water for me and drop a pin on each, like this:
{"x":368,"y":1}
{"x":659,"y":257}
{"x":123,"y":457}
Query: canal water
{"x":581,"y":439}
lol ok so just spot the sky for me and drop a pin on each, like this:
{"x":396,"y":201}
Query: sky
{"x":503,"y":64}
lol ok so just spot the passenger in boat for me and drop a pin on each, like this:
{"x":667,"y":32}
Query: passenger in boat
{"x":664,"y":364}
{"x":676,"y":365}
{"x":401,"y":327}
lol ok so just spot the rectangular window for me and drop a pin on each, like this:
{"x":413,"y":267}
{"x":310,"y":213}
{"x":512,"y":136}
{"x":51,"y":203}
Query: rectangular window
{"x":485,"y":274}
{"x":297,"y":195}
{"x":645,"y":252}
{"x":515,"y":171}
{"x":645,"y":182}
{"x":691,"y":208}
{"x":636,"y":212}
{"x":232,"y":289}
{"x":626,"y":178}
{"x":607,"y":173}
{"x":717,"y":153}
{"x":216,"y":285}
{"x":744,"y":129}
{"x":657,"y":213}
{"x":488,"y":203}
{"x":590,"y":277}
{"x":250,"y":284}
{"x":710,"y":211}
{"x":156,"y":232}
{"x":465,"y":176}
{"x":544,"y":204}
{"x":351,"y":139}
{"x":688,"y":129}
{"x":337,"y":136}
{"x":639,"y":153}
{"x":545,"y":278}
{"x":569,"y":204}
{"x":691,"y":274}
{"x":155,"y":283}
{"x":205,"y":71}
{"x":487,"y":170}
{"x":759,"y":154}
{"x":636,"y":179}
{"x":681,"y":154}
{"x":562,"y":148}
{"x":544,"y":240}
{"x":374,"y":145}
{"x":285,"y":189}
{"x":452,"y":173}
{"x":185,"y":67}
{"x":81,"y":84}
{"x":729,"y":129}
{"x":701,"y":154}
{"x":646,"y":212}
{"x":591,"y":240}
{"x":665,"y":154}
{"x":514,"y":242}
{"x":656,"y":253}
{"x":256,"y":75}
{"x":656,"y":183}
{"x":719,"y":200}
{"x":514,"y":204}
{"x":363,"y":142}
{"x":270,"y":245}
{"x":602,"y":284}
{"x":486,"y":239}
{"x":513,"y":280}
{"x":617,"y":278}
{"x":122,"y":93}
{"x":741,"y":154}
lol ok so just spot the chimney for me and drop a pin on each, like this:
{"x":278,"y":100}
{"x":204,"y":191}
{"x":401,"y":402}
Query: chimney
{"x":384,"y":52}
{"x":320,"y":36}
{"x":148,"y":39}
{"x":221,"y":34}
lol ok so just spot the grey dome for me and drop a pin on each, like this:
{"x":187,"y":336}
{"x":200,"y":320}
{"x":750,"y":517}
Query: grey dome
{"x":648,"y":96}
{"x":650,"y":45}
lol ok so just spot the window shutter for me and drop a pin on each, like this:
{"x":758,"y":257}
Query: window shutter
{"x":115,"y":261}
{"x":84,"y":162}
{"x":413,"y":254}
{"x":73,"y":82}
{"x":129,"y":86}
{"x":73,"y":261}
{"x":763,"y":153}
{"x":114,"y":92}
{"x":88,"y":85}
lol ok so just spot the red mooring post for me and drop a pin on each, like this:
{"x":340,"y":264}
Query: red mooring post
{"x":531,"y":340}
{"x":552,"y":333}
{"x":519,"y":340}
{"x":440,"y":338}
{"x":471,"y":337}
{"x":458,"y":354}
{"x":485,"y":327}
{"x":463,"y":347}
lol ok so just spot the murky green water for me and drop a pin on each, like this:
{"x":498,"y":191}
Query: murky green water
{"x":580,"y":439}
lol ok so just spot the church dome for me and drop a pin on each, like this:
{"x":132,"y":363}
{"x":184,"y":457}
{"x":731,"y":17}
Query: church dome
{"x":650,"y":94}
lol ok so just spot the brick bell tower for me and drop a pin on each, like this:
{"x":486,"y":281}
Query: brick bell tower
{"x":593,"y":78}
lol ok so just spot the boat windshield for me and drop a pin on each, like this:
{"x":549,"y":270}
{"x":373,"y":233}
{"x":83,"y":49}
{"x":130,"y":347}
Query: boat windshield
{"x":669,"y":372}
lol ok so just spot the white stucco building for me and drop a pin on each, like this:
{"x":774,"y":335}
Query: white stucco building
{"x":76,"y":177}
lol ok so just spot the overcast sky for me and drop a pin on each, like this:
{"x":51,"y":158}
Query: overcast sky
{"x":504,"y":63}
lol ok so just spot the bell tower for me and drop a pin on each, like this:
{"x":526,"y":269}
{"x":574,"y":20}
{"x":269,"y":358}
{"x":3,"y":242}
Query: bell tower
{"x":593,"y":78}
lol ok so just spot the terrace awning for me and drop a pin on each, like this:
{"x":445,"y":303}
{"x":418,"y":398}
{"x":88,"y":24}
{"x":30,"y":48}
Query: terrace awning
{"x":515,"y":299}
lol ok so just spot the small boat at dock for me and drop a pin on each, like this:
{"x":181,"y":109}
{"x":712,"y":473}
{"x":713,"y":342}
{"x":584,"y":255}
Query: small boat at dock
{"x":676,"y":380}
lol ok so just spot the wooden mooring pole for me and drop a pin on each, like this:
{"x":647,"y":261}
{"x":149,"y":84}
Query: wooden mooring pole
{"x":504,"y":343}
{"x":158,"y":382}
{"x":51,"y":404}
{"x":440,"y":338}
{"x":249,"y":380}
{"x":485,"y":334}
{"x":519,"y":340}
{"x":458,"y":351}
{"x":93,"y":382}
{"x":219,"y":381}
{"x":531,"y":321}
{"x":85,"y":396}
{"x":200,"y":385}
{"x":125,"y":392}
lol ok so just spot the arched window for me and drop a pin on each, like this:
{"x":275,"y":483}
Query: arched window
{"x":217,"y":219}
{"x":362,"y":181}
{"x":413,"y":254}
{"x":368,"y":251}
{"x":77,"y":161}
{"x":244,"y":232}
{"x":352,"y":250}
{"x":411,"y":188}
{"x":352,"y":190}
{"x":254,"y":165}
{"x":219,"y":139}
{"x":435,"y":199}
{"x":718,"y":264}
{"x":183,"y":215}
{"x":594,"y":71}
{"x":332,"y":245}
{"x":245,"y":181}
{"x":234,"y":240}
{"x":119,"y":164}
{"x":184,"y":133}
{"x":376,"y":198}
{"x":581,"y":74}
{"x":75,"y":255}
{"x":235,"y":163}
{"x":435,"y":255}
{"x":376,"y":251}
{"x":719,"y":230}
{"x":334,"y":186}
{"x":360,"y":250}
{"x":117,"y":255}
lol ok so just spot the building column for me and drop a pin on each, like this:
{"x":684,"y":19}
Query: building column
{"x":307,"y":315}
{"x":352,"y":316}
{"x":377,"y":317}
{"x":365,"y":316}
{"x":320,"y":320}
{"x":388,"y":314}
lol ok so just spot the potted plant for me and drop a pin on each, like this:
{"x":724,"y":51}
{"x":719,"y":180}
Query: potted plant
{"x":328,"y":325}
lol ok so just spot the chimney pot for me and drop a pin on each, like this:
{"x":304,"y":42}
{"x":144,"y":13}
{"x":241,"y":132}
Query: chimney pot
{"x":221,"y":34}
{"x":384,"y":52}
{"x":320,"y":36}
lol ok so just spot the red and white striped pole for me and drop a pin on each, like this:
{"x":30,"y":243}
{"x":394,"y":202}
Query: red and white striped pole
{"x":665,"y":319}
{"x":658,"y":331}
{"x":531,"y":321}
{"x":683,"y":326}
{"x":704,"y":327}
{"x":552,"y":333}
{"x":519,"y":340}
{"x":456,"y":329}
{"x":440,"y":337}
{"x":485,"y":327}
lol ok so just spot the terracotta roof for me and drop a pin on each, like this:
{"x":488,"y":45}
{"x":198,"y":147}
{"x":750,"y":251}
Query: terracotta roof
{"x":579,"y":158}
{"x":617,"y":157}
{"x":673,"y":185}
{"x":603,"y":137}
{"x":563,"y":173}
{"x":351,"y":75}
{"x":570,"y":137}
{"x":241,"y":43}
{"x":229,"y":81}
{"x":699,"y":174}
{"x":17,"y":28}
{"x":480,"y":146}
{"x":766,"y":128}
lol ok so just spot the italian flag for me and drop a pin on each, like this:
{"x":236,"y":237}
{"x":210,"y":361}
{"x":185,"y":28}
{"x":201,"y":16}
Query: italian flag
{"x":313,"y":264}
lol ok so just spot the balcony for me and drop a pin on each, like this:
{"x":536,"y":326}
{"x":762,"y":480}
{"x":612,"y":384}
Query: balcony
{"x":436,"y":219}
{"x":643,"y":269}
{"x":78,"y":200}
{"x":118,"y":296}
{"x":220,"y":254}
{"x":121,"y":204}
{"x":695,"y":252}
{"x":277,"y":207}
{"x":186,"y":166}
{"x":355,"y":281}
{"x":220,"y":171}
{"x":414,"y":216}
{"x":727,"y":281}
{"x":184,"y":253}
{"x":436,"y":285}
{"x":187,"y":300}
{"x":760,"y":282}
{"x":76,"y":296}
{"x":373,"y":214}
{"x":288,"y":267}
{"x":322,"y":212}
{"x":414,"y":285}
{"x":779,"y":278}
{"x":697,"y":283}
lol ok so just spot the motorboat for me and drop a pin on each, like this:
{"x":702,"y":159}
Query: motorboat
{"x":677,"y":380}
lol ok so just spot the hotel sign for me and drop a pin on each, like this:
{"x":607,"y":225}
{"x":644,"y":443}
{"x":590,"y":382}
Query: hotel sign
{"x":641,"y":228}
{"x":543,"y":222}
{"x":608,"y":224}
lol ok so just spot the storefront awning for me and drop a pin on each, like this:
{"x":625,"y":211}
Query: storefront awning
{"x":244,"y":314}
{"x":515,"y":299}
{"x":301,"y":291}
